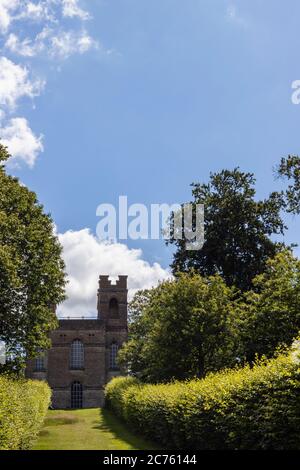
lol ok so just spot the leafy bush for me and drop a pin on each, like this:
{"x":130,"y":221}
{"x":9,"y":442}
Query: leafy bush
{"x":23,"y":406}
{"x":189,"y":321}
{"x":243,"y":408}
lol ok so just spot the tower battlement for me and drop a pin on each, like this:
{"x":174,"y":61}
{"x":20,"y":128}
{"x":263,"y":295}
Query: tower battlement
{"x":106,"y":283}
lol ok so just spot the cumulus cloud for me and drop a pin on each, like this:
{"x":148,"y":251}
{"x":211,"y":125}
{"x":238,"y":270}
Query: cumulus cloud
{"x":86,"y":258}
{"x":72,"y":9}
{"x":30,"y":28}
{"x":15,"y":84}
{"x":22,"y":143}
{"x":15,"y":133}
{"x":6,"y":9}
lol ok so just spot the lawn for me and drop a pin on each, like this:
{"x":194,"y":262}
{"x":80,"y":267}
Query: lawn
{"x":87,"y":429}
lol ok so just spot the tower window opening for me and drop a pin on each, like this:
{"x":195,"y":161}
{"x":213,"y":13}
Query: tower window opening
{"x":113,"y":307}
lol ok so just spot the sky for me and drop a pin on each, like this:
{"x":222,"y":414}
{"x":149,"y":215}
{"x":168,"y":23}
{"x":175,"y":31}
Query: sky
{"x":103,"y":98}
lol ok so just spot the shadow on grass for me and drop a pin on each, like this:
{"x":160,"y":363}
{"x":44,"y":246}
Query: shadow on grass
{"x":111,"y":424}
{"x":61,"y":419}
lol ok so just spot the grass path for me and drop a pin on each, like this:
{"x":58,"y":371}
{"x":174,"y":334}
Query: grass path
{"x":87,"y":429}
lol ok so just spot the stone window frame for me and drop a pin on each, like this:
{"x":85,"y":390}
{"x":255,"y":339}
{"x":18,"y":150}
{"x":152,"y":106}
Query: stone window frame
{"x":113,"y":353}
{"x":77,"y":355}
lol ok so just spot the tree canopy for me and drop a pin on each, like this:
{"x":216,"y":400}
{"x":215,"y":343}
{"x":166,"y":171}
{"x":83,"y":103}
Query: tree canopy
{"x":289,"y":169}
{"x":237,"y":229}
{"x":192,"y":325}
{"x":182,"y":330}
{"x":269,"y":316}
{"x":32,"y":277}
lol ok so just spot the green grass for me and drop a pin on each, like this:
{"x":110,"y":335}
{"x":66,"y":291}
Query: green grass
{"x":87,"y":429}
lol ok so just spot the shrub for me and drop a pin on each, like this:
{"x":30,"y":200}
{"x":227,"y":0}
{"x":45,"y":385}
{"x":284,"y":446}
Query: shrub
{"x":243,"y":408}
{"x":23,"y":406}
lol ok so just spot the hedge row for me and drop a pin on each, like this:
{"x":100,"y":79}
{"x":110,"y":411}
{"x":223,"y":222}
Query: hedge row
{"x":256,"y":408}
{"x":23,"y":406}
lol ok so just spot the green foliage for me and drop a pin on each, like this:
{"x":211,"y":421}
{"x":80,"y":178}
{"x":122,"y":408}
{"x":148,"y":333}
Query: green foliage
{"x":237,"y":229}
{"x":32,"y":278}
{"x":181,"y":329}
{"x":289,"y":168}
{"x":193,"y":325}
{"x":269,"y":316}
{"x":23,"y":407}
{"x":245,"y":408}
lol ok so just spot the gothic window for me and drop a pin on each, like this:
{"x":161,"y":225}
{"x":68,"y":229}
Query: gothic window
{"x":113,"y":307}
{"x":113,"y":356}
{"x":76,"y":395}
{"x":77,"y":355}
{"x":40,"y":363}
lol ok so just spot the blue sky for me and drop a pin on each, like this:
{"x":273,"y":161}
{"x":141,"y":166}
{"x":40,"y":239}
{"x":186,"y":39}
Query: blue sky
{"x":162,"y":93}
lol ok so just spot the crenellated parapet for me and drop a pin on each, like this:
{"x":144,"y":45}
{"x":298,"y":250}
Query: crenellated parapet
{"x":112,"y":301}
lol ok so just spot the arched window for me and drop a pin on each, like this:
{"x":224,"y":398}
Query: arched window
{"x":113,"y":307}
{"x":40,"y":363}
{"x":113,"y":356}
{"x":76,"y":395}
{"x":77,"y":355}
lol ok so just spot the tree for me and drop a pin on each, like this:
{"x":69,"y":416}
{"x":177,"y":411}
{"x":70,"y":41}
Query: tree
{"x":289,"y":168}
{"x":270,"y":315}
{"x":131,"y":356}
{"x":183,"y":329}
{"x":237,"y":230}
{"x":32,"y":277}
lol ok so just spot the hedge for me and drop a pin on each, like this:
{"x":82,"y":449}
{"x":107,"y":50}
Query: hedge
{"x":23,"y":406}
{"x":245,"y":408}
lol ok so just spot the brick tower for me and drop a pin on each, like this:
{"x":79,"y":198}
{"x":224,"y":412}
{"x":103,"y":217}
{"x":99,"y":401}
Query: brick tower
{"x":82,"y":358}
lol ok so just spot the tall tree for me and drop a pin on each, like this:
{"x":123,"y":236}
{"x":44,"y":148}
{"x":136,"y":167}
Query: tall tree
{"x":269,"y":316}
{"x":183,"y":329}
{"x":289,"y":168}
{"x":237,"y":229}
{"x":32,"y":277}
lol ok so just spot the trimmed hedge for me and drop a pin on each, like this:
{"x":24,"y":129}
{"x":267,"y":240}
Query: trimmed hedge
{"x":23,"y":406}
{"x":256,"y":408}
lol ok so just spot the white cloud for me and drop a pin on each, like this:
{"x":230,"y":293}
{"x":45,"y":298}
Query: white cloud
{"x":71,"y":9}
{"x":60,"y":45}
{"x":42,"y":10}
{"x":22,"y":143}
{"x":38,"y":11}
{"x":24,"y":48}
{"x":15,"y":84}
{"x":66,"y":43}
{"x":86,"y":258}
{"x":6,"y":9}
{"x":52,"y":39}
{"x":57,"y":44}
{"x":44,"y":21}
